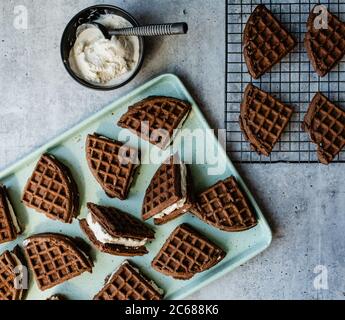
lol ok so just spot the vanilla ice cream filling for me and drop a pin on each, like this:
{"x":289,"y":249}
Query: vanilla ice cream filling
{"x":104,"y":237}
{"x":179,"y":204}
{"x":13,"y":216}
{"x":104,"y":61}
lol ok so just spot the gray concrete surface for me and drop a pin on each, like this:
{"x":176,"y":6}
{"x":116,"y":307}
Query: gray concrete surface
{"x":304,"y":203}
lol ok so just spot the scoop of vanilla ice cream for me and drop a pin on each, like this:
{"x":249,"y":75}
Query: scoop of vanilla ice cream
{"x":99,"y":60}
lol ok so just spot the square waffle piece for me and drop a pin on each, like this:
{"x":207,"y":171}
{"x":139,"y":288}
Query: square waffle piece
{"x":51,"y":190}
{"x":186,"y":253}
{"x":10,"y":263}
{"x":225,"y":207}
{"x":266,"y":42}
{"x":127,"y":283}
{"x":325,"y":123}
{"x":263,"y":119}
{"x":325,"y":44}
{"x":156,"y":119}
{"x":112,"y":163}
{"x":54,"y":259}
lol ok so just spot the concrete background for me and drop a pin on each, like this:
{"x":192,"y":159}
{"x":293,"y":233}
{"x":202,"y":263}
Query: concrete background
{"x":304,"y":203}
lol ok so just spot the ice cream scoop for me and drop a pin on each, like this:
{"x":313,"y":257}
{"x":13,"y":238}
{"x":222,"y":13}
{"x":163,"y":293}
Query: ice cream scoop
{"x":145,"y":31}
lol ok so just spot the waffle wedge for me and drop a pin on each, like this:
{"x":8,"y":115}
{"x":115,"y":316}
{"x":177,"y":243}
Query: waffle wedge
{"x":186,"y":253}
{"x":127,"y":283}
{"x":225,"y":207}
{"x":10,"y":286}
{"x":266,"y":42}
{"x":112,"y":164}
{"x":156,"y":119}
{"x":325,"y":123}
{"x":51,"y":190}
{"x":325,"y":44}
{"x":263,"y":119}
{"x":54,"y":259}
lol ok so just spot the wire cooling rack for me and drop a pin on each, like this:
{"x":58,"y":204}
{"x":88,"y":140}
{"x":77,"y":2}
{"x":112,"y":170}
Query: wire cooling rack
{"x":293,"y":81}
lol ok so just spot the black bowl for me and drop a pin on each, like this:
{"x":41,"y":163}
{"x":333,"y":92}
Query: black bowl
{"x":69,"y":38}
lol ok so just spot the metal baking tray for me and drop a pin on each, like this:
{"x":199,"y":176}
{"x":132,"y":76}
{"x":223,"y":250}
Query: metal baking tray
{"x":69,"y":148}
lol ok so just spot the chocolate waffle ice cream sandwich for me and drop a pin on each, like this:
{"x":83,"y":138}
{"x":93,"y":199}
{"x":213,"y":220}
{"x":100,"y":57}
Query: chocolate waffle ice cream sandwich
{"x":128,"y":283}
{"x":9,"y":226}
{"x":169,"y":194}
{"x":186,"y":253}
{"x":114,"y":232}
{"x":263,"y":119}
{"x":325,"y":123}
{"x":51,"y":190}
{"x":266,"y":42}
{"x":11,"y":288}
{"x":54,"y":259}
{"x":324,"y":41}
{"x":225,"y":207}
{"x":156,"y":119}
{"x":112,"y":163}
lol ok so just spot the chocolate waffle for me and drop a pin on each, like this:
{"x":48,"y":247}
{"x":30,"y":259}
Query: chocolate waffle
{"x":127,"y":283}
{"x":325,"y":123}
{"x":168,"y":195}
{"x":54,"y":259}
{"x":225,"y":207}
{"x":52,"y":191}
{"x":186,"y":253}
{"x":10,"y":265}
{"x":325,"y":44}
{"x":112,"y":164}
{"x":9,"y":226}
{"x":122,"y":234}
{"x":156,"y":119}
{"x":266,"y":42}
{"x":263,"y":119}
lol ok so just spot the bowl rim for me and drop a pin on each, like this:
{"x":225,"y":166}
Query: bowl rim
{"x":89,"y":84}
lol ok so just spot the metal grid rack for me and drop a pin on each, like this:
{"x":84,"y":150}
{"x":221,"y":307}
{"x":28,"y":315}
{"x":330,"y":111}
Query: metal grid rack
{"x":293,"y":81}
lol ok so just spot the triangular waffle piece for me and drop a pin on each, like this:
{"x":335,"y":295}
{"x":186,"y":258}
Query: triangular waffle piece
{"x":9,"y":226}
{"x":127,"y":283}
{"x":115,"y":232}
{"x":225,"y":207}
{"x":156,"y":119}
{"x":325,"y":123}
{"x":52,"y":191}
{"x":263,"y":119}
{"x":325,"y":45}
{"x":186,"y":253}
{"x":168,"y":195}
{"x":266,"y":42}
{"x":54,"y":259}
{"x":112,"y":164}
{"x":10,"y":265}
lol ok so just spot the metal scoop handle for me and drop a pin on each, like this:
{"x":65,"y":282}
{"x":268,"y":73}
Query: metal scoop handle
{"x":152,"y":30}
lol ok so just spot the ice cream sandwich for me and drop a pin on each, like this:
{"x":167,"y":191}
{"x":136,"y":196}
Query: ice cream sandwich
{"x":9,"y":226}
{"x":169,"y":194}
{"x":114,"y":232}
